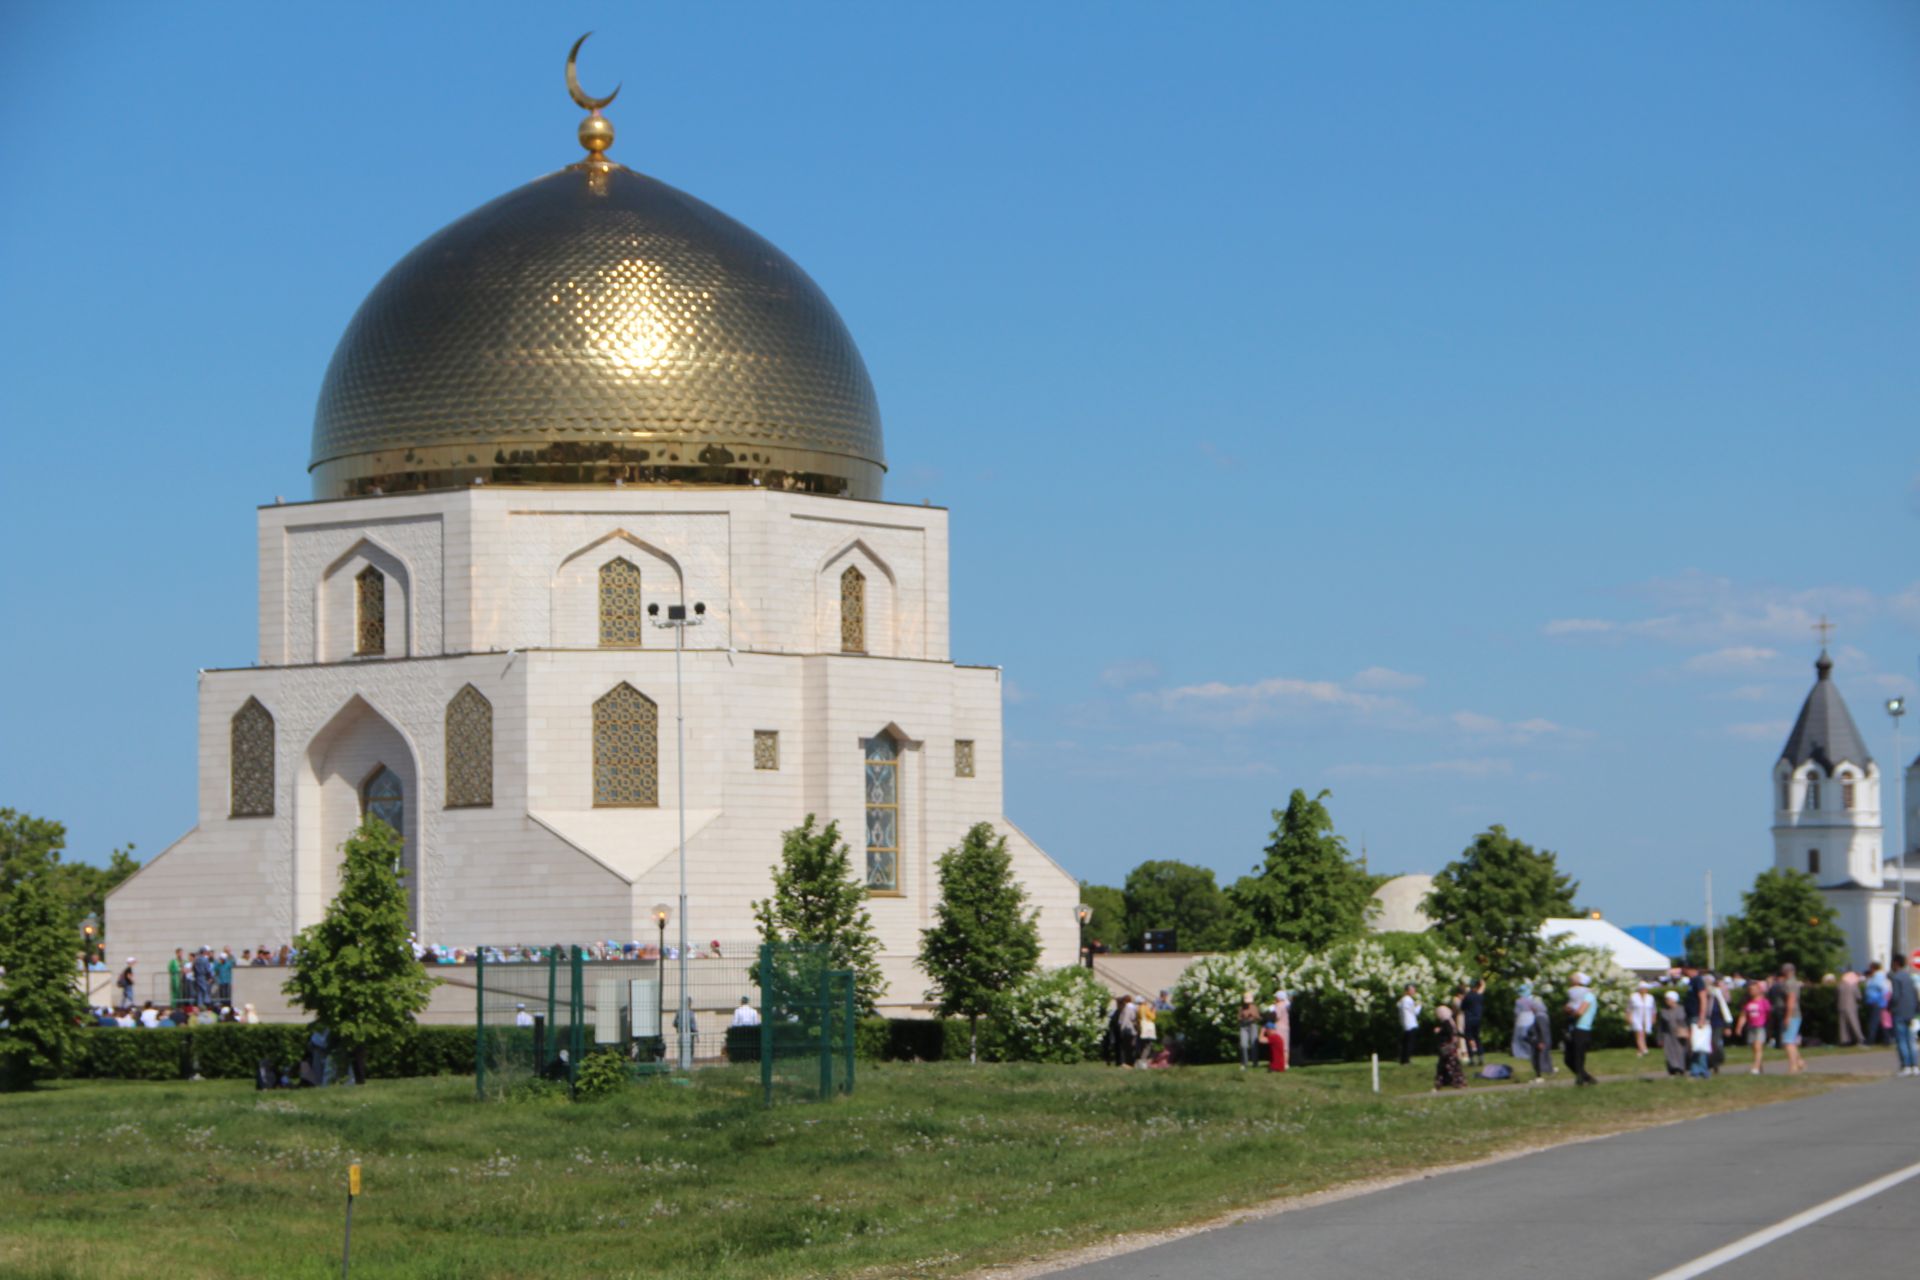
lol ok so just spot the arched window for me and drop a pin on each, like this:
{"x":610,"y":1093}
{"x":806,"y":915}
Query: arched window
{"x":1813,"y":862}
{"x":382,"y":797}
{"x":1846,"y":791}
{"x":1786,"y":793}
{"x":626,"y":750}
{"x":250,"y":762}
{"x":1813,"y":790}
{"x":621,"y":621}
{"x":369,"y":612}
{"x":883,"y":814}
{"x":853,"y":611}
{"x":469,"y":750}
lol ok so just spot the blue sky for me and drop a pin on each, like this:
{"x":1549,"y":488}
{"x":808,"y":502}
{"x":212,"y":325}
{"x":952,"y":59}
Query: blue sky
{"x":1465,"y":408}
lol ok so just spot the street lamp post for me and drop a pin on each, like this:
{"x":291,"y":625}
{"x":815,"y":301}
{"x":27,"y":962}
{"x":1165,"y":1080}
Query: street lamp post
{"x":678,"y":620}
{"x":1084,"y":914}
{"x":661,"y":914}
{"x":1897,"y":707}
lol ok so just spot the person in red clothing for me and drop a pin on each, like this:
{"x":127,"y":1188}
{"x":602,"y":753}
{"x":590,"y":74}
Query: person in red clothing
{"x":1278,"y":1033}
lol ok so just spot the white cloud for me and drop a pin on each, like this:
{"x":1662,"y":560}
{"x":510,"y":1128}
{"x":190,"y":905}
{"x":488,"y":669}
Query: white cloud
{"x":1386,"y":679}
{"x":1739,"y":657}
{"x":1702,"y":610}
{"x":1275,"y":697}
{"x":1578,"y":627}
{"x":1482,"y":767}
{"x":1127,"y":672}
{"x":1012,"y":692}
{"x":1474,"y":724}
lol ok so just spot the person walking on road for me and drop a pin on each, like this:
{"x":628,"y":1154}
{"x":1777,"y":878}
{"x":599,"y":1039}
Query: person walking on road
{"x":1848,"y":999}
{"x":1903,"y":1003}
{"x":1582,"y":1004}
{"x":1409,"y":1024}
{"x":1640,"y":1017}
{"x":1790,"y":1015}
{"x":1249,"y":1029}
{"x":1446,"y":1069}
{"x":1752,"y":1023}
{"x":1874,"y":990}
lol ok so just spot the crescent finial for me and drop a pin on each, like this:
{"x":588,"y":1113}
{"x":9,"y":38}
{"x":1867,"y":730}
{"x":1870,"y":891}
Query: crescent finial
{"x":578,"y":94}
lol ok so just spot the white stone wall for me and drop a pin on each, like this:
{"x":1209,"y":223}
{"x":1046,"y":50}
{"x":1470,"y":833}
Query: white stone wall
{"x":498,"y":588}
{"x":1849,"y":839}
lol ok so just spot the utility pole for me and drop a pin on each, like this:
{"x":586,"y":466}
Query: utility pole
{"x":1897,"y":707}
{"x":678,"y":620}
{"x":1710,"y":968}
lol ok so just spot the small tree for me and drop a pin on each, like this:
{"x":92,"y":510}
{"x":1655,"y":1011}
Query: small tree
{"x":40,"y":1004}
{"x":1784,"y":920}
{"x":1109,"y":925}
{"x":1166,"y":894}
{"x":356,"y":971}
{"x":1491,"y":901}
{"x":816,"y":899}
{"x":983,"y":940}
{"x":1309,"y":893}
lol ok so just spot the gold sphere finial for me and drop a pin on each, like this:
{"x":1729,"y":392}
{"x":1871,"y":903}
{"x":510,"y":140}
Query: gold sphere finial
{"x":596,"y":131}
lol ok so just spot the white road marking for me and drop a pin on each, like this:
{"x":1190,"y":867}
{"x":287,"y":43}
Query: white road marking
{"x":1747,"y":1244}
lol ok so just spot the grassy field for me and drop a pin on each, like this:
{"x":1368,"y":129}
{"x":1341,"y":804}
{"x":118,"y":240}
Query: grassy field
{"x":927,"y":1169}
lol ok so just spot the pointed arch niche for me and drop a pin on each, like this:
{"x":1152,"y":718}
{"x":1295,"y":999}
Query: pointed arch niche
{"x":334,"y":791}
{"x":365,"y":606}
{"x":611,"y":580}
{"x":469,"y":750}
{"x":854,"y":603}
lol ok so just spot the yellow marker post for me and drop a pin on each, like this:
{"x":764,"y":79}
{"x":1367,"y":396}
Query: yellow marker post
{"x":353,"y":1191}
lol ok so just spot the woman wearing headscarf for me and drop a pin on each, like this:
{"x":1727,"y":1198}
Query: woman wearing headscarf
{"x":1674,"y":1036}
{"x":1446,"y":1072}
{"x":1523,"y":1022}
{"x":1539,"y":1033}
{"x":1279,"y":1034}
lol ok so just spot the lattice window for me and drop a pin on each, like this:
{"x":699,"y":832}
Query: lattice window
{"x":963,"y":757}
{"x":469,"y":750}
{"x":370,"y":612}
{"x":250,"y":761}
{"x":853,"y":611}
{"x":621,"y":622}
{"x":883,"y":814}
{"x":626,"y":750}
{"x":766,"y":748}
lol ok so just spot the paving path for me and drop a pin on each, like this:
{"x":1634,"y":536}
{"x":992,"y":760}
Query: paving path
{"x":1659,"y":1203}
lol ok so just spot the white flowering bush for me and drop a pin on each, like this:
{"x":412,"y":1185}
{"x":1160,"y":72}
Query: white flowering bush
{"x":1054,"y":1016}
{"x":1610,"y":983}
{"x":1343,"y":999}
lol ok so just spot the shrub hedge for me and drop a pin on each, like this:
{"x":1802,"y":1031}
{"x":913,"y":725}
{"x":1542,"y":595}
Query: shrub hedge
{"x":231,"y":1051}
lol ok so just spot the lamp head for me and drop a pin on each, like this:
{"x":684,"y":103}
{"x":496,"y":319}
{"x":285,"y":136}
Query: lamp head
{"x":661,"y":914}
{"x":1084,"y":914}
{"x":1896,"y":707}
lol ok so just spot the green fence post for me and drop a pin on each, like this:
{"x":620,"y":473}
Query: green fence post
{"x":826,"y":1034}
{"x":480,"y":1024}
{"x":851,"y":1029}
{"x":578,"y":1042}
{"x":767,"y":987}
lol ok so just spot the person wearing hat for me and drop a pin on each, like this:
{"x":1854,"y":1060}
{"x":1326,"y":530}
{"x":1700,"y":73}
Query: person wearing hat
{"x":1581,"y":1006}
{"x":1674,"y":1041}
{"x":521,"y":1018}
{"x":1640,"y":1017}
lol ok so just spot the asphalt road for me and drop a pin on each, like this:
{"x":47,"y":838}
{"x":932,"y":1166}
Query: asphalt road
{"x":1631,"y":1207}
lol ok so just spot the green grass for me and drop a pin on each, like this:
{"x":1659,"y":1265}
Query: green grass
{"x":926,"y":1169}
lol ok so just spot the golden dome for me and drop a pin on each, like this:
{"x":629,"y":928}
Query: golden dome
{"x":596,"y":325}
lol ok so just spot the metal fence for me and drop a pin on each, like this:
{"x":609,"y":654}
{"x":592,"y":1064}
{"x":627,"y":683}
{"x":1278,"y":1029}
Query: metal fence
{"x":539,"y":1011}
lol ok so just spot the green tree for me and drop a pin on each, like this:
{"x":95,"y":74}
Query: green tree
{"x":1784,"y":920}
{"x":1109,"y":925}
{"x":40,"y":1004}
{"x":31,"y":846}
{"x":1490,"y":902}
{"x":1309,"y":892}
{"x":356,"y":973}
{"x":1165,"y":894}
{"x":983,"y":941}
{"x":816,"y":899}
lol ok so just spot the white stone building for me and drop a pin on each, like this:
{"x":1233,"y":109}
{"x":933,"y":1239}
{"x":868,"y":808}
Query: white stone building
{"x":588,"y":403}
{"x":1826,"y":818}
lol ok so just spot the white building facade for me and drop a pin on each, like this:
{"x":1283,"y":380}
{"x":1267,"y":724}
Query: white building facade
{"x":1826,"y":818}
{"x":579,"y":407}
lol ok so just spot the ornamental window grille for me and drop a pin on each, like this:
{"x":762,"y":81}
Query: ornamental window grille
{"x":1846,"y":793}
{"x":1813,"y":791}
{"x":883,"y":814}
{"x":626,"y":750}
{"x":621,"y":621}
{"x":963,"y":757}
{"x":766,"y":748}
{"x":1813,"y":862}
{"x":469,"y":750}
{"x":853,"y":611}
{"x":250,"y":761}
{"x":370,"y":612}
{"x":382,"y":796}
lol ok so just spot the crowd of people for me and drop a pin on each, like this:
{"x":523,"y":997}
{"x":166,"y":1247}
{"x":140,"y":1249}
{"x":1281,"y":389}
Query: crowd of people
{"x":1132,"y":1038}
